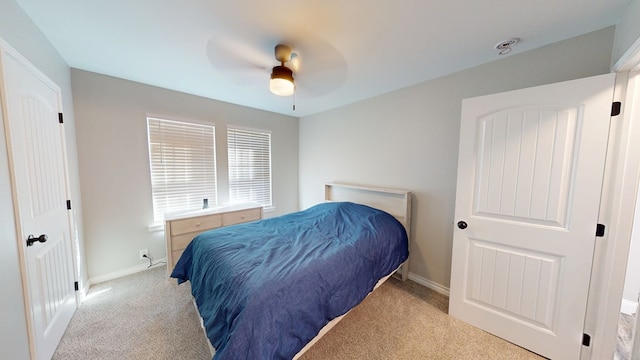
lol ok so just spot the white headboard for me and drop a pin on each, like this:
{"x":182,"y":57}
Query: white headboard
{"x":395,"y":202}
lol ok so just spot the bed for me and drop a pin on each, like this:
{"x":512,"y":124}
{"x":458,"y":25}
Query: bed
{"x":269,"y":289}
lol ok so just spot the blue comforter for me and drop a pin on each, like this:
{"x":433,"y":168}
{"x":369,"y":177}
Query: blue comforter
{"x":265,"y":289}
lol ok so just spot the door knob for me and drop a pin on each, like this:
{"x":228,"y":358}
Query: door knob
{"x":462,"y":225}
{"x":32,"y":239}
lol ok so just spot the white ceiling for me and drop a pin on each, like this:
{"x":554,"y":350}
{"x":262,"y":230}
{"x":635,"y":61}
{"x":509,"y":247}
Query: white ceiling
{"x":348,"y":50}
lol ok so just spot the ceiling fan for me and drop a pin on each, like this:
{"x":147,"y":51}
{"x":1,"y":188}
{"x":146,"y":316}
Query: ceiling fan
{"x":306,"y":65}
{"x":281,"y":82}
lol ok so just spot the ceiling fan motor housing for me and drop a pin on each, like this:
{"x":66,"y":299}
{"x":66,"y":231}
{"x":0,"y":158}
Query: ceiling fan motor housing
{"x":283,"y":53}
{"x":282,"y":72}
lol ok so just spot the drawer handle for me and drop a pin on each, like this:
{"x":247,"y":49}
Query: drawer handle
{"x":197,"y":224}
{"x":242,"y":217}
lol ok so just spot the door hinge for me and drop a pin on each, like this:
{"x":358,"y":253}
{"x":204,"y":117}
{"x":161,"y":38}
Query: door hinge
{"x":586,"y":339}
{"x":75,"y":286}
{"x":615,"y":108}
{"x":60,"y":119}
{"x":600,"y":230}
{"x":68,"y":204}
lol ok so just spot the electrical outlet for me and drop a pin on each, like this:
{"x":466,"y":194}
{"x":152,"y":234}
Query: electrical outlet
{"x":143,"y":253}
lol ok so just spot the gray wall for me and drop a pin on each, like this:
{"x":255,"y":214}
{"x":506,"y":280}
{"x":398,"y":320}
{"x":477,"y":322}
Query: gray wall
{"x":18,"y":30}
{"x":114,"y":161}
{"x":409,"y":138}
{"x":627,"y":31}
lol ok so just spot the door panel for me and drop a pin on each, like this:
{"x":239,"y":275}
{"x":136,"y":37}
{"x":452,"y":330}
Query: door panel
{"x":521,"y":284}
{"x":509,"y":143}
{"x":37,"y":158}
{"x":530,"y":172}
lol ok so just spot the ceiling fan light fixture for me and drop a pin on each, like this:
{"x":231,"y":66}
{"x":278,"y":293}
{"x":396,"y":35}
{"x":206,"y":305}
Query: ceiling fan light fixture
{"x":281,"y":82}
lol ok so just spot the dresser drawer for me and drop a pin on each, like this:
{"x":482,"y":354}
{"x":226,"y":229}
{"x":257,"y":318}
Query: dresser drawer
{"x":237,"y":217}
{"x":200,"y":223}
{"x":179,"y":242}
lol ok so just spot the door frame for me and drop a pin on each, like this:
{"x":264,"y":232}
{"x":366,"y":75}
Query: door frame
{"x":618,"y":202}
{"x":7,"y":50}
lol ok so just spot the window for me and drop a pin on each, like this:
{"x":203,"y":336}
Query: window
{"x":183,"y":165}
{"x":249,"y":166}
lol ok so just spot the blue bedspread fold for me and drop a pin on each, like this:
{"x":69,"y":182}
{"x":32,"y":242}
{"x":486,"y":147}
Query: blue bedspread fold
{"x":264,"y":289}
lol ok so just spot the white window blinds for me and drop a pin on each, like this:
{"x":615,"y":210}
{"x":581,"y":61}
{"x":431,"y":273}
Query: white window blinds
{"x":183,"y":165}
{"x":249,"y":166}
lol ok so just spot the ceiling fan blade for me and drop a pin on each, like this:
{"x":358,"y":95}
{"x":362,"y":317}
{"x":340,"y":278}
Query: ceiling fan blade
{"x":237,"y":60}
{"x":319,"y":67}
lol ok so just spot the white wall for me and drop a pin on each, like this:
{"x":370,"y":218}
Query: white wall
{"x":409,"y":138}
{"x":17,"y":29}
{"x":114,"y":161}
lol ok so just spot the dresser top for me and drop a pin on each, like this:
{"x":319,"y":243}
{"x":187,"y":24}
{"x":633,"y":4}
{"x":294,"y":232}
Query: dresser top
{"x":208,"y":211}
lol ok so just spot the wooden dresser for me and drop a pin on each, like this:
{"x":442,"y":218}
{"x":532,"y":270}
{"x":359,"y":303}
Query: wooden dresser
{"x":180,"y":228}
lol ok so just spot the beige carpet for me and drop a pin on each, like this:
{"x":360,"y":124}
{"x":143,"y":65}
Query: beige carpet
{"x":141,"y":316}
{"x":408,"y":321}
{"x":147,"y":316}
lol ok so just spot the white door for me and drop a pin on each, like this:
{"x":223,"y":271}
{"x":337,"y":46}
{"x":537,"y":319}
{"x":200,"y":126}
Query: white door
{"x":35,"y":140}
{"x":530,"y":172}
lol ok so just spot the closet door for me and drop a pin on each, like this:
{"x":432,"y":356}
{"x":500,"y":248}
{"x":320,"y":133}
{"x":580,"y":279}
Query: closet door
{"x":530,"y":174}
{"x":35,"y":138}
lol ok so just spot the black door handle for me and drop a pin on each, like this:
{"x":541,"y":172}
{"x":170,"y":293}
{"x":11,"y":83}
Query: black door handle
{"x":462,"y":225}
{"x":32,"y":239}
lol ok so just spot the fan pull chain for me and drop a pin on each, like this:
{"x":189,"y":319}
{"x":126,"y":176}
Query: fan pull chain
{"x":294,"y":101}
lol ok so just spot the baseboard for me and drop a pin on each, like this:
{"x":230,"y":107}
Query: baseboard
{"x":428,"y":283}
{"x":628,"y":307}
{"x":161,"y":262}
{"x":125,"y":272}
